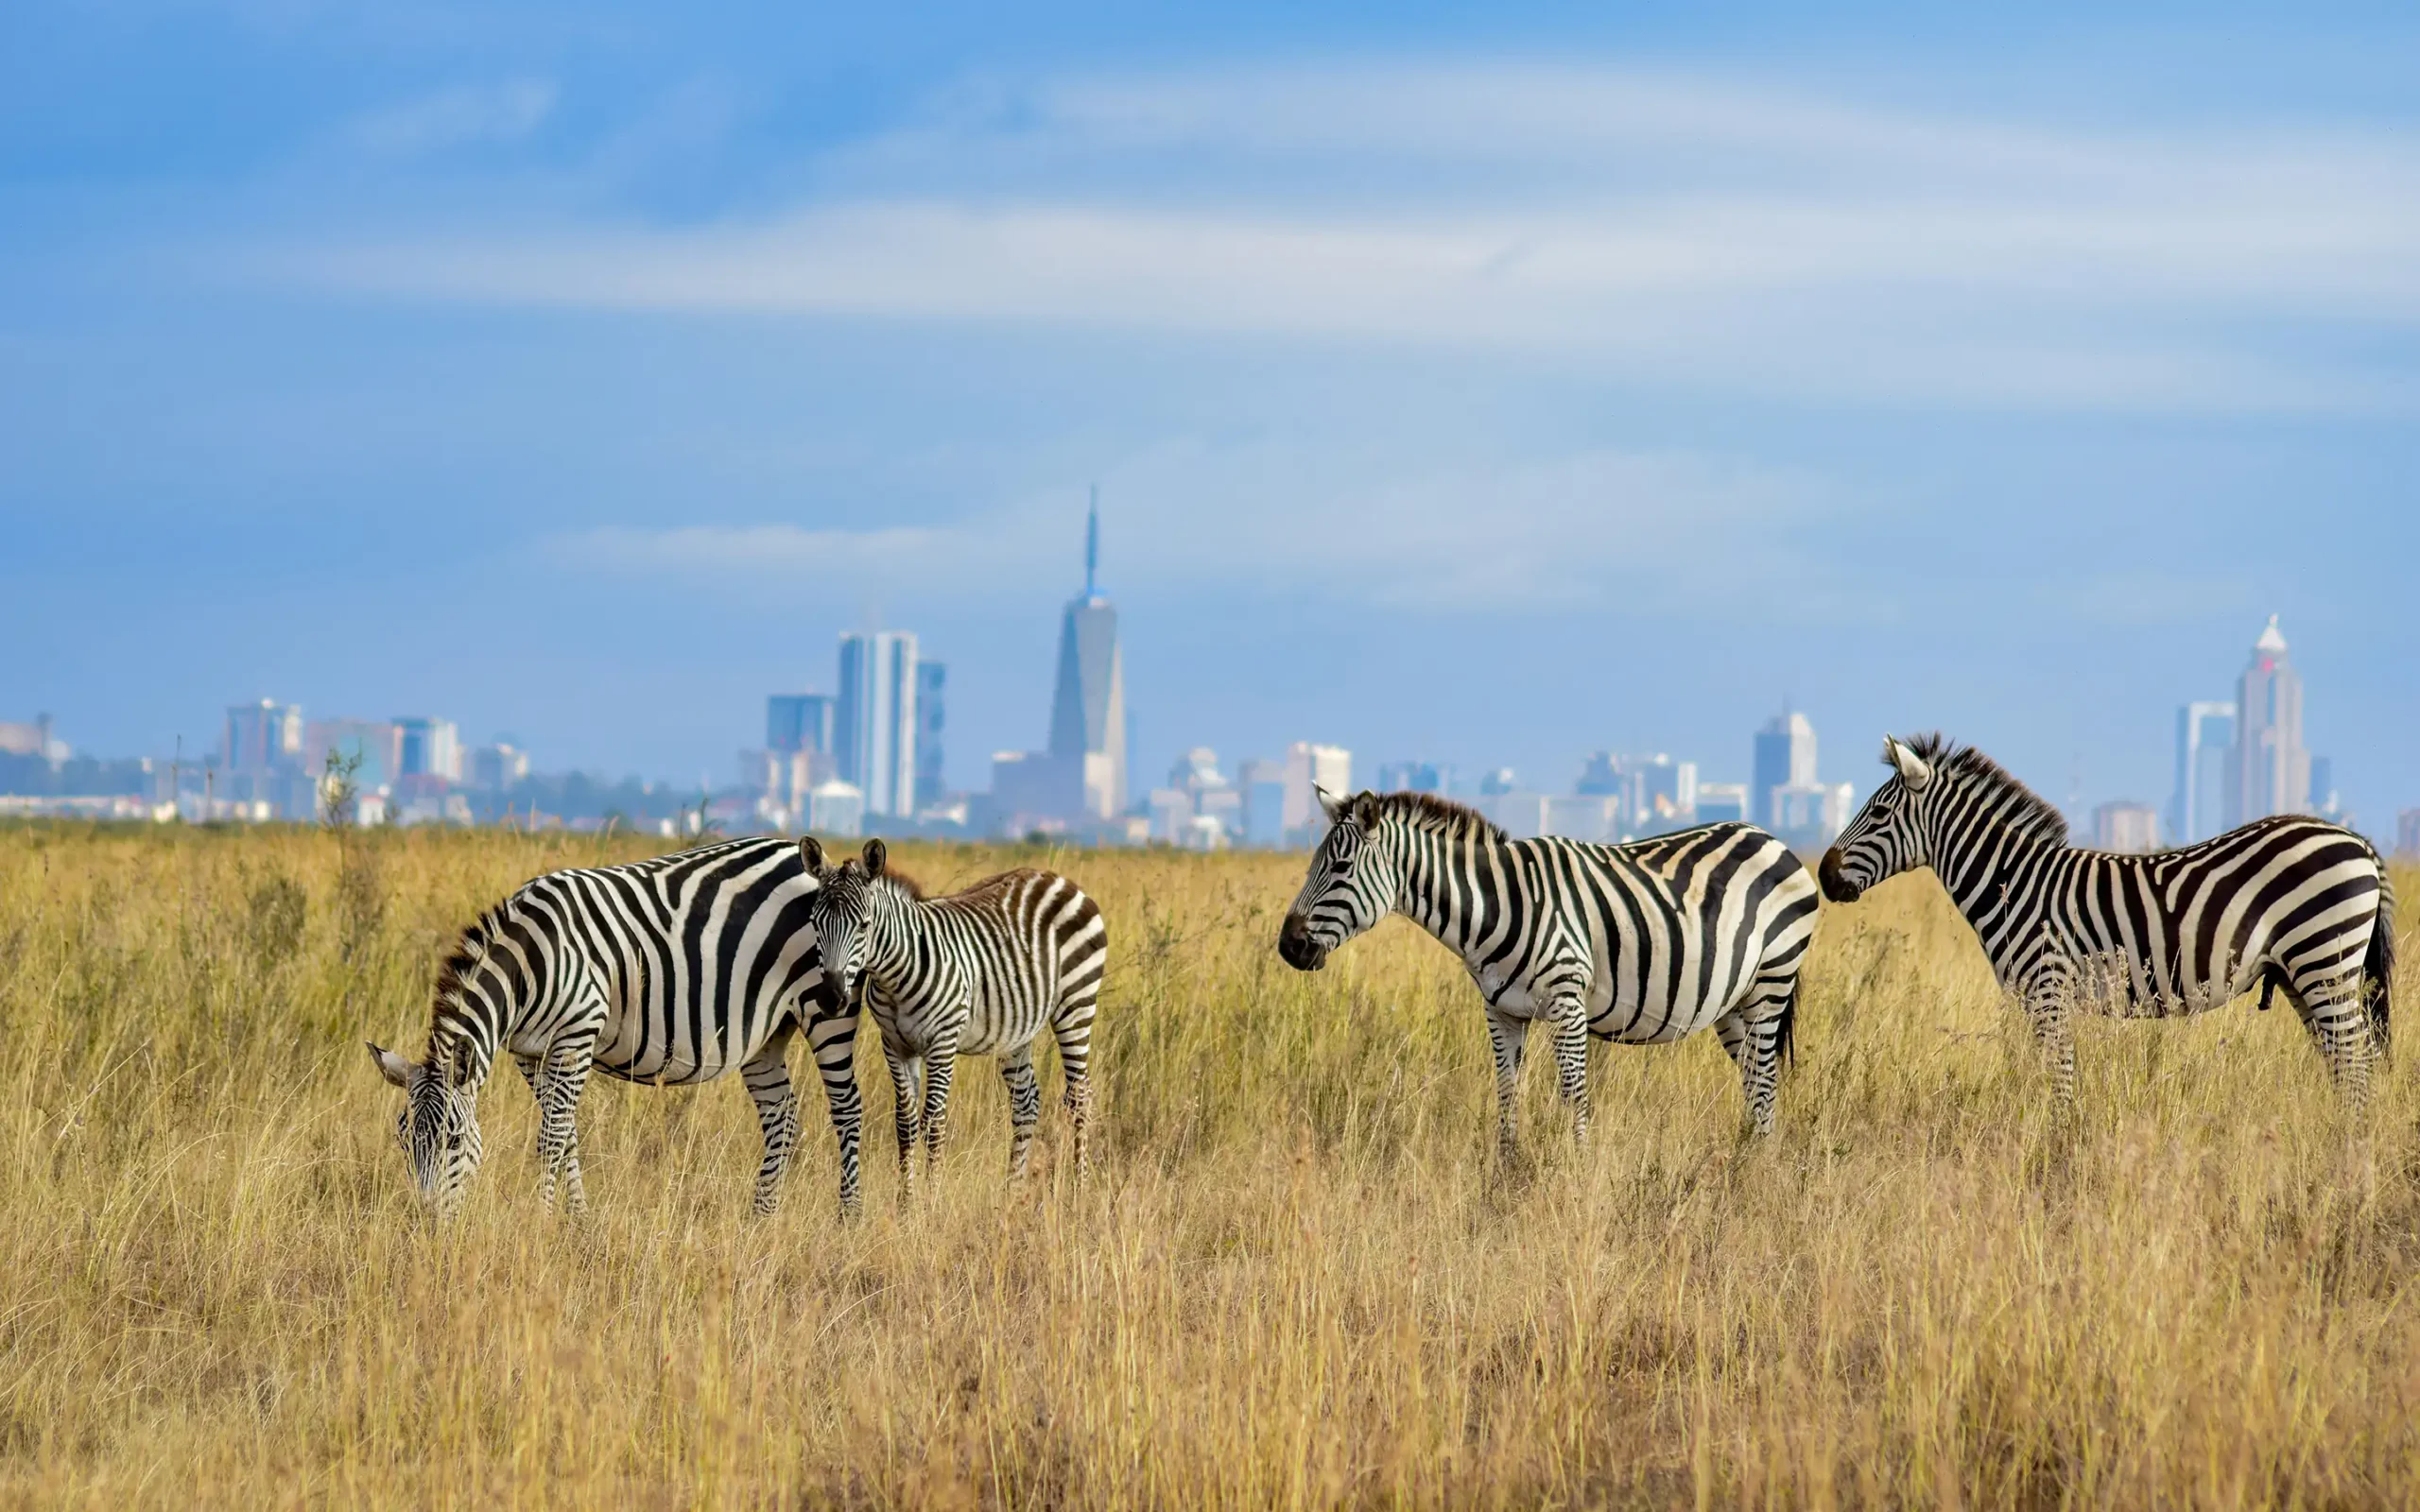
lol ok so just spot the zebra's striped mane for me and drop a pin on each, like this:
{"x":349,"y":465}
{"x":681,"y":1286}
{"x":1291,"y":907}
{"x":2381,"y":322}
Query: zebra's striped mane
{"x":449,"y":1008}
{"x":903,"y":883}
{"x":1427,"y":811}
{"x":2023,"y":811}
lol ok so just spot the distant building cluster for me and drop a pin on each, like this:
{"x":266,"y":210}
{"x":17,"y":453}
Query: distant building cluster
{"x":868,"y":757}
{"x":1623,"y":796}
{"x":270,"y":762}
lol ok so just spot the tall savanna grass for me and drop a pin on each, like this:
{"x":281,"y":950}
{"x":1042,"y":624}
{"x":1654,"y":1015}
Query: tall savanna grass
{"x":1297,"y":1279}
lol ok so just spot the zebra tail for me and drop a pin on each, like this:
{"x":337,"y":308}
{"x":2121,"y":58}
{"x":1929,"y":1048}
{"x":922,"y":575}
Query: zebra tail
{"x":2377,"y":969}
{"x":1788,"y":1042}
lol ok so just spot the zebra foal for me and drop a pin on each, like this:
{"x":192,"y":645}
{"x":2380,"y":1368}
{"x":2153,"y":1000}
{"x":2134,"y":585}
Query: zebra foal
{"x":670,"y":970}
{"x":979,"y":973}
{"x":1644,"y":943}
{"x":2286,"y":903}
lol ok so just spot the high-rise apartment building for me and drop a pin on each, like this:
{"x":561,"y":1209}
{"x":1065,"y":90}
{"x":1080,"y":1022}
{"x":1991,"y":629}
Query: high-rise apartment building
{"x":1719,"y":801}
{"x":1655,"y":792}
{"x":263,"y":737}
{"x":2126,"y":826}
{"x":874,"y":724}
{"x":2205,"y":756}
{"x":1088,"y":696}
{"x":499,"y":768}
{"x":1262,"y":786}
{"x":429,"y":748}
{"x":798,"y":721}
{"x":2272,"y":769}
{"x":932,"y":682}
{"x":1785,"y":757}
{"x":1310,"y":770}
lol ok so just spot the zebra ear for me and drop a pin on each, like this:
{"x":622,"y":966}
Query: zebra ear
{"x":1364,"y":808}
{"x":391,"y":1065}
{"x":810,"y":851}
{"x":876,"y":854}
{"x":1913,"y":769}
{"x":1330,"y":803}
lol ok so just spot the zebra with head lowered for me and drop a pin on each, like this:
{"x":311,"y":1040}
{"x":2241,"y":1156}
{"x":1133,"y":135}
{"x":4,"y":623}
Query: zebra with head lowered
{"x":979,"y":973}
{"x":669,"y":971}
{"x":2287,"y":901}
{"x":1643,"y":942}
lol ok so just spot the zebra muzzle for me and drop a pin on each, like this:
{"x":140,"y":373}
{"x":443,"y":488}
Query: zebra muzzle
{"x":1296,"y":948}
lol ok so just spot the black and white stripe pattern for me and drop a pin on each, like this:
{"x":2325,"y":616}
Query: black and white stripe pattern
{"x":1643,"y":943}
{"x":981,"y":972}
{"x":670,"y":971}
{"x":2288,"y":903}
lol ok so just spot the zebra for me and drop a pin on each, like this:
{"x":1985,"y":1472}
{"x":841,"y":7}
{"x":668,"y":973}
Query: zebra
{"x":669,"y":970}
{"x":1644,"y":942}
{"x":977,"y":972}
{"x":2286,"y":903}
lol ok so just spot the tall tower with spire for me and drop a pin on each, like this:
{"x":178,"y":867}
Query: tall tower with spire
{"x":2272,"y":767}
{"x":1088,"y":698}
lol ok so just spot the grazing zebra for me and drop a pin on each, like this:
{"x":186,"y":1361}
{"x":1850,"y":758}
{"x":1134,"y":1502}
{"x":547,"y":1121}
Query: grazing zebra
{"x":1643,"y":943}
{"x":669,"y":970}
{"x":978,"y":973}
{"x":2287,"y":901}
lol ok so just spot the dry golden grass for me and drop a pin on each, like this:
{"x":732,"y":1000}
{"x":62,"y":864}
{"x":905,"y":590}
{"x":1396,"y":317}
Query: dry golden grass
{"x":1296,"y":1280}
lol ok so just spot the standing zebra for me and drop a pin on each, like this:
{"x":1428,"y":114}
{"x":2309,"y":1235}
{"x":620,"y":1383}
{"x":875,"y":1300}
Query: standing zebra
{"x":1643,"y":943}
{"x":978,"y":973}
{"x":2287,"y":901}
{"x":669,"y":970}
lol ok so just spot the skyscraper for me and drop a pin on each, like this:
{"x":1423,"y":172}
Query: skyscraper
{"x":2205,"y":752}
{"x":2272,"y":769}
{"x":798,"y":721}
{"x":1785,"y":757}
{"x":1088,"y":700}
{"x":429,"y":748}
{"x":1310,"y":770}
{"x":931,"y":679}
{"x":873,"y":723}
{"x":263,"y":737}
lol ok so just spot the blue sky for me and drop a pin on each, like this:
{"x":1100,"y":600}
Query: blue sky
{"x":1489,"y":392}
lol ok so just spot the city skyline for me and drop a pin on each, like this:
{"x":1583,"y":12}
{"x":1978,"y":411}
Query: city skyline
{"x":417,"y":767}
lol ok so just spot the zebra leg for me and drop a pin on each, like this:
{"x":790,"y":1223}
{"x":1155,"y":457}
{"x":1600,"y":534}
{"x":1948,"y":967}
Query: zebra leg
{"x":1507,"y":1035}
{"x":906,"y":1105}
{"x":561,"y":1080}
{"x":1024,"y":1105}
{"x":2051,"y":1004}
{"x":532,"y":1072}
{"x":833,"y":1038}
{"x":1571,"y":1063}
{"x":1760,"y":1071}
{"x":1755,"y":1049}
{"x":2341,"y":1029}
{"x":767,"y":1074}
{"x":1073,"y":1030}
{"x":941,"y":1065}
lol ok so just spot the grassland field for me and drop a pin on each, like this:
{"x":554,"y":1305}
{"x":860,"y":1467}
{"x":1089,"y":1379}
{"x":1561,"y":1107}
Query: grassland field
{"x":1297,"y":1279}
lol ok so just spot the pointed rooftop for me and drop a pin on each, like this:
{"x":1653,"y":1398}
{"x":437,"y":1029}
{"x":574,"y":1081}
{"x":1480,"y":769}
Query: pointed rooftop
{"x":2271,"y":642}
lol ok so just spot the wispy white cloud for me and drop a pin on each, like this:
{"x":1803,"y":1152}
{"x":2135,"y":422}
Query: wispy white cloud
{"x":1659,"y":228}
{"x":507,"y":112}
